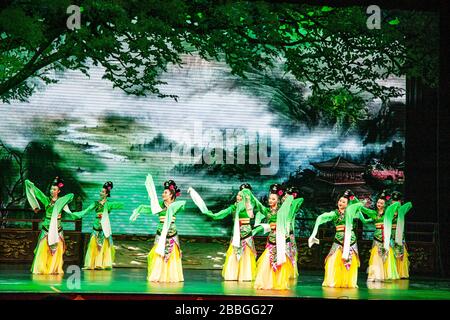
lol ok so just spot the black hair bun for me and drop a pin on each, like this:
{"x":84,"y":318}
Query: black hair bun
{"x":396,"y":196}
{"x":108,"y":185}
{"x":172,"y":186}
{"x":384,"y":195}
{"x":245,"y":186}
{"x":58,"y":182}
{"x":277,"y":189}
{"x":293,"y":191}
{"x":348,"y":194}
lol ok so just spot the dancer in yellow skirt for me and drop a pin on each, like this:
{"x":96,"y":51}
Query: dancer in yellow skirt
{"x":240,"y":259}
{"x":398,"y":236}
{"x":50,"y":248}
{"x":342,"y":262}
{"x":164,"y":259}
{"x":275,"y":266}
{"x":382,"y":264}
{"x":292,"y":243}
{"x":100,"y":252}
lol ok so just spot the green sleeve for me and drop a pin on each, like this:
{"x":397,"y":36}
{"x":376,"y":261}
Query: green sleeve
{"x":80,"y":214}
{"x":404,"y":209}
{"x":29,"y":186}
{"x":115,"y":205}
{"x":143,"y":208}
{"x":177,"y":206}
{"x":369,"y":212}
{"x":363,"y":219}
{"x":222,"y":213}
{"x":63,"y":201}
{"x":323,"y":218}
{"x":296,"y":204}
{"x":257,"y":205}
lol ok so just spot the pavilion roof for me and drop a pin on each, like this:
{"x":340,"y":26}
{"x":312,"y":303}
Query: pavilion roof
{"x":338,"y":164}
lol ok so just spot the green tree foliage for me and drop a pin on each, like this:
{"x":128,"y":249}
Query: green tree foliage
{"x":43,"y":164}
{"x":38,"y":162}
{"x":338,"y":107}
{"x":135,"y":41}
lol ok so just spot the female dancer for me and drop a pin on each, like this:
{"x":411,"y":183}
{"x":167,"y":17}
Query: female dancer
{"x":382,"y":264}
{"x":342,"y":262}
{"x":240,"y":260}
{"x":398,"y":235}
{"x":48,"y":255}
{"x":292,"y":244}
{"x":164,"y":259}
{"x":100,"y":253}
{"x":275,"y":266}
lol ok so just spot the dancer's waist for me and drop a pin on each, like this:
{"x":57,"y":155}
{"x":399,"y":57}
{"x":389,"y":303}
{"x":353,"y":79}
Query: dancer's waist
{"x":169,"y":234}
{"x":163,"y":218}
{"x":394,"y":226}
{"x":244,"y":221}
{"x":379,"y":225}
{"x":341,"y":243}
{"x":46,"y":229}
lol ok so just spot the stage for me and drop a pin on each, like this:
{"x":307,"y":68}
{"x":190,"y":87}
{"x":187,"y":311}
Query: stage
{"x":16,"y":282}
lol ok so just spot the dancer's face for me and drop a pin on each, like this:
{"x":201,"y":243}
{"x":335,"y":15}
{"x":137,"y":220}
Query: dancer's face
{"x":167,"y":195}
{"x":273,"y":200}
{"x":103,"y":193}
{"x":380,"y":204}
{"x":342,"y":203}
{"x":54,"y":191}
{"x":239,"y":197}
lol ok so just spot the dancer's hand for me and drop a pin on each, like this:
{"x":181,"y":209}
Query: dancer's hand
{"x":312,"y":241}
{"x":36,"y":210}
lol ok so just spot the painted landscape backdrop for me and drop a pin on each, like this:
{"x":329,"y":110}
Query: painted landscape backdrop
{"x":165,"y":87}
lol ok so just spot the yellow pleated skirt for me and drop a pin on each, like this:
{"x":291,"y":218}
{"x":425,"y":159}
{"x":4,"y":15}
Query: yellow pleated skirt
{"x":268,"y":279}
{"x":45,"y":262}
{"x":376,"y":271}
{"x":403,"y":265}
{"x":161,"y":271}
{"x":101,"y":258}
{"x":390,"y":266}
{"x":243,"y":269}
{"x":337,"y":275}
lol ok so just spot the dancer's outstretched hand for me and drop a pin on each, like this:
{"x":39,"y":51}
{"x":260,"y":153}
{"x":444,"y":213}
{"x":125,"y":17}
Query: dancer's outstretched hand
{"x":312,"y":241}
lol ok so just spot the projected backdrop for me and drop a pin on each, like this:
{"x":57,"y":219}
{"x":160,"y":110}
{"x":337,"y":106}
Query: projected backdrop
{"x":88,"y":133}
{"x":208,"y":94}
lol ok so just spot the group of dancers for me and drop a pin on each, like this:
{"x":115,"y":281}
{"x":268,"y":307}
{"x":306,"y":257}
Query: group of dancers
{"x":276,"y":268}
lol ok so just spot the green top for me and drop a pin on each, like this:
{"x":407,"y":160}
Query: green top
{"x":48,"y":203}
{"x":338,"y":219}
{"x":98,"y":208}
{"x":178,"y":206}
{"x":376,"y":218}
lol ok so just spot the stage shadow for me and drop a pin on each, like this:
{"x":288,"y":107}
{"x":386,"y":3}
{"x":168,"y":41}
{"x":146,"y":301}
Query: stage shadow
{"x":103,"y":276}
{"x":340,"y":293}
{"x":165,"y":287}
{"x":388,"y":284}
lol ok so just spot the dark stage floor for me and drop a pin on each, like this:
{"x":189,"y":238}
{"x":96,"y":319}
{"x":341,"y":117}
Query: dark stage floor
{"x":18,"y":282}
